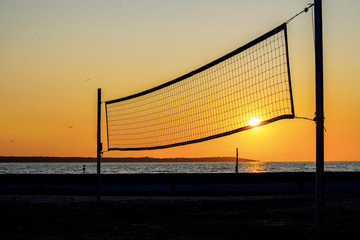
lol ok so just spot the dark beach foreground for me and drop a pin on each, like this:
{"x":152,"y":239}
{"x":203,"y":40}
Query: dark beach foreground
{"x":276,"y":216}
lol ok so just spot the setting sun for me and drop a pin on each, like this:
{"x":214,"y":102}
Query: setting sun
{"x":254,"y":121}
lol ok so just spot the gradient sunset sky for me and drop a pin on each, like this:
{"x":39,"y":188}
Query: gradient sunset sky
{"x":55,"y":54}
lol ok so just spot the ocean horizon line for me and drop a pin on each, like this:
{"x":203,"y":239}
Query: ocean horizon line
{"x":45,"y":159}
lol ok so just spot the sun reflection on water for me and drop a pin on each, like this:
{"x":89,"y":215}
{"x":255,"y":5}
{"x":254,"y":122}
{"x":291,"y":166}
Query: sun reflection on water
{"x":253,"y":167}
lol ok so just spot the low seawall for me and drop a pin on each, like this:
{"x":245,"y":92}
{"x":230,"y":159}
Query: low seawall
{"x":177,"y":184}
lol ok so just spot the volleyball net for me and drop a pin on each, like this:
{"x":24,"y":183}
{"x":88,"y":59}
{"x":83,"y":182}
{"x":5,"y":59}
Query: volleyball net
{"x":246,"y":88}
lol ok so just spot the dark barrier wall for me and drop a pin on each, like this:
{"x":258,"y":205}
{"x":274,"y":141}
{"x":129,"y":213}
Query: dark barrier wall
{"x":178,"y":184}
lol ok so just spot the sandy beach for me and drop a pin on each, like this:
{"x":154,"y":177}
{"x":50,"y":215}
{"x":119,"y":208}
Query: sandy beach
{"x":289,"y":216}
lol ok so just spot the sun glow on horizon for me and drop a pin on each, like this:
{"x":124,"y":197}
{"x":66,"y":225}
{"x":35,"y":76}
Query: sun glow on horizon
{"x":254,"y":121}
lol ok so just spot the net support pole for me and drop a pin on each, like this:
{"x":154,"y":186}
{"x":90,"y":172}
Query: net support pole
{"x":99,"y":147}
{"x":237,"y":161}
{"x":319,"y":118}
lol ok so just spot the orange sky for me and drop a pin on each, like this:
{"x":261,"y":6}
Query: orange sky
{"x":56,"y":54}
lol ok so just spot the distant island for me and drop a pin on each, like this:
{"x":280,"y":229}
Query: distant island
{"x":114,"y":160}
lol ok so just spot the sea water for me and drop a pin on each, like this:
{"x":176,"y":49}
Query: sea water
{"x":186,"y":167}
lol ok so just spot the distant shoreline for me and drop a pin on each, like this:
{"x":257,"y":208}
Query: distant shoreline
{"x":115,"y":160}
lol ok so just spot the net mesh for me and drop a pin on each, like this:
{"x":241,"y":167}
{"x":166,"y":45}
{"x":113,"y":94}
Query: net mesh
{"x":249,"y":84}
